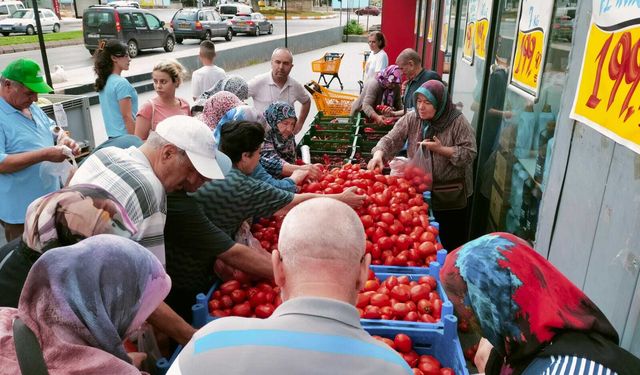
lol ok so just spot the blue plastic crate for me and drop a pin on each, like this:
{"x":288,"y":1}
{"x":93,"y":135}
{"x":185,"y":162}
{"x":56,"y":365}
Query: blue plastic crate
{"x":163,"y":364}
{"x":414,"y":273}
{"x":441,"y":343}
{"x":200,"y":309}
{"x":441,"y":255}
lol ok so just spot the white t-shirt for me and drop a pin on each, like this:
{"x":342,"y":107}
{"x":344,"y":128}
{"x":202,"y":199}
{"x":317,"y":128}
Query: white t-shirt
{"x":205,"y":78}
{"x":375,"y":63}
{"x":264,"y":91}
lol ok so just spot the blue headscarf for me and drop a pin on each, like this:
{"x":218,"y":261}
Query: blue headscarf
{"x":240,"y":113}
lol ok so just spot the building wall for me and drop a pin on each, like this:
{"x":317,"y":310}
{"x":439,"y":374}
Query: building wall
{"x":398,"y":21}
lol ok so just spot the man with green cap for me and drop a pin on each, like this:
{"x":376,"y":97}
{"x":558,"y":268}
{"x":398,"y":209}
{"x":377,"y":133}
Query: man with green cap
{"x":26,"y":141}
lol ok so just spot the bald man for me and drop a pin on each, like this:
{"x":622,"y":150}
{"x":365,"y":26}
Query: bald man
{"x":320,"y":267}
{"x":411,"y":65}
{"x":276,"y":85}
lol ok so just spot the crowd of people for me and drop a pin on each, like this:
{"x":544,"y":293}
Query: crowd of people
{"x":163,"y":208}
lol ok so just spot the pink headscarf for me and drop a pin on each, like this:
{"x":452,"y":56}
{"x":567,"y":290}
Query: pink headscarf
{"x":81,"y":302}
{"x":217,"y":106}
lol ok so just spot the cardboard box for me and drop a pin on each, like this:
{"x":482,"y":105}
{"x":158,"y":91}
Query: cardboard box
{"x":503,"y":171}
{"x":498,"y":207}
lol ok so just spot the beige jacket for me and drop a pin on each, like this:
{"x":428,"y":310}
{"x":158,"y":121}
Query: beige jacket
{"x":372,"y":96}
{"x":458,"y":135}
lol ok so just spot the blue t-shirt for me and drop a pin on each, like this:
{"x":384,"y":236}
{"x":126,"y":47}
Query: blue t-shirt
{"x":116,"y":89}
{"x":20,"y":134}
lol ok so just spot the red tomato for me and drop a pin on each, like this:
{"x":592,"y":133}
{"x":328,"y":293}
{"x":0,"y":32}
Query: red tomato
{"x":403,"y":343}
{"x":364,"y":298}
{"x":447,"y":371}
{"x":367,"y":221}
{"x":387,"y":218}
{"x":427,"y":318}
{"x":385,"y":243}
{"x":411,"y":358}
{"x":214,"y":304}
{"x":371,"y":285}
{"x":264,"y":311}
{"x":388,"y":342}
{"x":412,"y":316}
{"x":219,"y":313}
{"x":229,"y":287}
{"x":226,"y":302}
{"x":401,"y":292}
{"x":386,"y":310}
{"x":429,"y":365}
{"x":238,"y":296}
{"x":426,"y":249}
{"x":404,"y":279}
{"x":371,"y":312}
{"x":258,"y":299}
{"x":428,"y":280}
{"x":380,"y":300}
{"x":437,"y":308}
{"x":416,"y":371}
{"x":391,"y":281}
{"x":419,"y":292}
{"x":243,"y":309}
{"x":424,"y":306}
{"x":400,"y":309}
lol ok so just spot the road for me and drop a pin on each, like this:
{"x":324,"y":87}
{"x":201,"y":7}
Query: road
{"x":77,"y":56}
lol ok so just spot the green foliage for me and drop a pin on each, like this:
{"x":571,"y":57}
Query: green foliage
{"x":353,"y":28}
{"x":48,"y":37}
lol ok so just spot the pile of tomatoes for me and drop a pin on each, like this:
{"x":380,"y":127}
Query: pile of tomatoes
{"x":266,"y":231}
{"x":421,"y":364}
{"x":250,"y":299}
{"x":394,"y":215}
{"x":399,"y":298}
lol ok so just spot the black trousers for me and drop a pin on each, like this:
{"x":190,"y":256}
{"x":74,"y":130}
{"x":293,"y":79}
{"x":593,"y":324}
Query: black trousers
{"x":454,"y":227}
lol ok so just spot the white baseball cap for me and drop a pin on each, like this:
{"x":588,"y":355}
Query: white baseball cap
{"x":196,"y":139}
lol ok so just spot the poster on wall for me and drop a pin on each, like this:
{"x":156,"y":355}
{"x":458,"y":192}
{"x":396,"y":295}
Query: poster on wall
{"x":607,"y":98}
{"x":444,"y":39}
{"x":432,"y":20}
{"x":469,"y":31}
{"x":530,"y":49}
{"x":483,"y":22}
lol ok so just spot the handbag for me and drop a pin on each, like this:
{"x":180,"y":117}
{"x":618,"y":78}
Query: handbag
{"x":449,"y":195}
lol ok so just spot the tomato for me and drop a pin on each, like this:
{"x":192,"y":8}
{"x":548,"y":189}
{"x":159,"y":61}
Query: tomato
{"x":404,"y":279}
{"x":412,"y":316}
{"x":424,"y":306}
{"x":385,"y":243}
{"x":367,"y":221}
{"x":400,"y":309}
{"x":437,"y":308}
{"x":364,"y":298}
{"x":219,"y":313}
{"x":387,"y":218}
{"x":214,"y":304}
{"x":416,"y":371}
{"x":388,"y":342}
{"x":447,"y":371}
{"x":371,"y":285}
{"x":229,"y":287}
{"x":429,"y":365}
{"x":427,"y":318}
{"x":401,"y":292}
{"x":371,"y":312}
{"x":428,"y":280}
{"x":403,"y":343}
{"x":264,"y":311}
{"x":386,"y":310}
{"x":380,"y":300}
{"x":258,"y":299}
{"x":217,"y":294}
{"x":391,"y":281}
{"x":243,"y":309}
{"x":238,"y":296}
{"x":403,"y":242}
{"x":226,"y":302}
{"x":411,"y":358}
{"x":419,"y":292}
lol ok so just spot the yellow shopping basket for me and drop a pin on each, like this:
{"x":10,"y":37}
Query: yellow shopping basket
{"x":328,"y":64}
{"x":331,"y":103}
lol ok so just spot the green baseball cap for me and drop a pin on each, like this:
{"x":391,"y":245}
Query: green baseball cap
{"x":28,"y":73}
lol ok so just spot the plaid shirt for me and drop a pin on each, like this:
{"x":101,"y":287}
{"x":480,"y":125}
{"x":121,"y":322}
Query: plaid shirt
{"x":127,"y":175}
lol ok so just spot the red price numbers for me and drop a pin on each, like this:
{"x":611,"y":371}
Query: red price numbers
{"x":623,"y":65}
{"x":527,"y":50}
{"x":467,"y":42}
{"x":481,"y":33}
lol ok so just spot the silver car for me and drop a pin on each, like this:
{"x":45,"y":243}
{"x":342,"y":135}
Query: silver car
{"x":254,"y":23}
{"x":23,"y":21}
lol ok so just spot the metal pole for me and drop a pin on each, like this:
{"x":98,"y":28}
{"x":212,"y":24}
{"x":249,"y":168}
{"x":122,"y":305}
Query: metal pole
{"x":340,"y":23}
{"x":43,"y":50}
{"x":286,"y":35}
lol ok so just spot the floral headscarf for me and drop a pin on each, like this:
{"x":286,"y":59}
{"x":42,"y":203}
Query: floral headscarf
{"x":390,"y":76}
{"x":277,"y":149}
{"x":82,"y":301}
{"x":69,"y":215}
{"x":217,"y":106}
{"x":233,"y":84}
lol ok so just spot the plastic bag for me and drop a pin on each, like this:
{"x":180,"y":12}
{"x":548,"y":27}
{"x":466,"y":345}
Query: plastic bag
{"x":145,"y":340}
{"x":418,"y":170}
{"x":397,"y":165}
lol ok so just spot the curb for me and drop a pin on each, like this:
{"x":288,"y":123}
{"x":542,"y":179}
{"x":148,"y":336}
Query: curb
{"x":35,"y":46}
{"x":274,"y":18}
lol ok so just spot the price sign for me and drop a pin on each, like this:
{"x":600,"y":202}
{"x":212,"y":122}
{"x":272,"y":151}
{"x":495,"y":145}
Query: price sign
{"x":444,"y":39}
{"x":608,"y":98}
{"x":530,"y":49}
{"x":469,"y":32}
{"x":432,"y":20}
{"x":482,"y":28}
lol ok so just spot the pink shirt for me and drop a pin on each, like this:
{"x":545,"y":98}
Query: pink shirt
{"x":155,"y":111}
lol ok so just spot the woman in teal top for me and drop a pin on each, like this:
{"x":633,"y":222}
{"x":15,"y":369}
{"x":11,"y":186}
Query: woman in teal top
{"x":118,"y":98}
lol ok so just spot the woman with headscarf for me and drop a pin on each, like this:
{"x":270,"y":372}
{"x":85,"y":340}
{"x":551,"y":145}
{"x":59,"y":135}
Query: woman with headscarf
{"x":231,"y":83}
{"x":81,"y":302}
{"x":59,"y":219}
{"x":384,"y":90}
{"x":278,"y":156}
{"x":445,"y":134}
{"x":532,"y":318}
{"x":217,"y":106}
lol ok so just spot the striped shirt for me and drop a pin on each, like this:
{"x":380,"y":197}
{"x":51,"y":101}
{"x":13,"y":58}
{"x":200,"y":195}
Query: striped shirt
{"x":127,"y":174}
{"x":566,"y":365}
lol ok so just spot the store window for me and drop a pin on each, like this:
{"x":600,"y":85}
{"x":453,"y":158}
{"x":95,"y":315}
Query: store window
{"x":449,"y":33}
{"x":516,"y":140}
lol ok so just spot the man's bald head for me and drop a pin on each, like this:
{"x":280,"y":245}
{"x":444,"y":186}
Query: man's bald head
{"x":409,"y":62}
{"x":322,"y":230}
{"x":282,"y":53}
{"x":281,"y":65}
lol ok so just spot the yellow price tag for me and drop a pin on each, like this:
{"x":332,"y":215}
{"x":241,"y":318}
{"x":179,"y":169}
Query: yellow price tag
{"x":482,"y":27}
{"x":607,"y":92}
{"x":528,"y":59}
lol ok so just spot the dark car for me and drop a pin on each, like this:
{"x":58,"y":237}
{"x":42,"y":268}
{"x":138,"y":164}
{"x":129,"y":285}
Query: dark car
{"x":203,"y":23}
{"x":138,"y":28}
{"x":254,"y":23}
{"x":369,"y":10}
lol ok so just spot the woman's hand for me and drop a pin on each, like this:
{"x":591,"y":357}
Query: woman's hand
{"x":350,"y":197}
{"x":314,"y":171}
{"x":299,"y":175}
{"x":434,"y":145}
{"x":388,"y":111}
{"x":482,"y":355}
{"x":137,"y":358}
{"x":376,"y":161}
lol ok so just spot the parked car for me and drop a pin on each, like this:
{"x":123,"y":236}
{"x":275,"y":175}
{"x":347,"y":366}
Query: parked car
{"x":369,"y":10}
{"x":228,"y":11}
{"x":203,"y":23}
{"x":124,"y":3}
{"x":138,"y":28}
{"x":8,"y":7}
{"x":254,"y":23}
{"x":23,"y":21}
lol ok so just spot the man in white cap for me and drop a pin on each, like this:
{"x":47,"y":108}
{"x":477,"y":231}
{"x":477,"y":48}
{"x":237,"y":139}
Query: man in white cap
{"x":180,"y":154}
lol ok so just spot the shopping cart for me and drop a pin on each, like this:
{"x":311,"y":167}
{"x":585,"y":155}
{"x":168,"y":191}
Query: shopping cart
{"x":328,"y":64}
{"x":330,"y":103}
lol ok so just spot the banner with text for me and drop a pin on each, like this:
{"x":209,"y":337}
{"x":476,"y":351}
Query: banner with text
{"x":483,"y":22}
{"x":469,"y":32}
{"x":606,"y":98}
{"x":530,"y":49}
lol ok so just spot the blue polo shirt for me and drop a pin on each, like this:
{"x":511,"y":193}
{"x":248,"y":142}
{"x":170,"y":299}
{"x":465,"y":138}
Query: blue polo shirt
{"x":20,"y":134}
{"x":116,"y":89}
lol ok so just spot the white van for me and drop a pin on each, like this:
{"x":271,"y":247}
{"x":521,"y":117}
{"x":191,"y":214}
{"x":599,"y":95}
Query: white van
{"x":230,"y":10}
{"x":8,"y":7}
